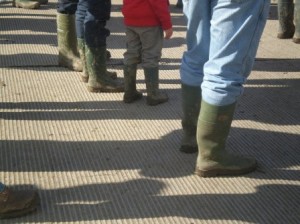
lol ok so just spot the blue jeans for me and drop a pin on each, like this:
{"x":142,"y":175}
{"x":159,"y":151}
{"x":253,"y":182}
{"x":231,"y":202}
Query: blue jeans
{"x":222,"y":41}
{"x":2,"y":186}
{"x":91,"y":17}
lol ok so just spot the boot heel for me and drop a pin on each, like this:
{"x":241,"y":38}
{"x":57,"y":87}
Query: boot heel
{"x":206,"y":173}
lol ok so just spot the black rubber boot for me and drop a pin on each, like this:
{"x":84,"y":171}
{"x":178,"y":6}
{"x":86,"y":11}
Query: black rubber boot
{"x":285,"y":17}
{"x":154,"y":95}
{"x":131,"y":94}
{"x":191,"y":99}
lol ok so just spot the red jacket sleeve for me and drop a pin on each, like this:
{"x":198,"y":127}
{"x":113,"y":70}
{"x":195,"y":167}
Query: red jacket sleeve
{"x":161,"y":9}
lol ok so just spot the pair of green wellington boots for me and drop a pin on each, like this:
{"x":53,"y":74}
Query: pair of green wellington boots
{"x":76,"y":55}
{"x":289,"y":20}
{"x":29,"y":4}
{"x":205,"y":129}
{"x":154,"y":95}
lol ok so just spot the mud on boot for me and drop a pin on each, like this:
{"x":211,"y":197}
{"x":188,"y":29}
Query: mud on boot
{"x":99,"y":79}
{"x":68,"y":55}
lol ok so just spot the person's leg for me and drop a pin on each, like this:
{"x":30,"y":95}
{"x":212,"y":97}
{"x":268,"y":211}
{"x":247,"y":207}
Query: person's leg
{"x":286,"y":27}
{"x":191,"y":69}
{"x":81,"y":14}
{"x":132,"y":57}
{"x":179,"y":4}
{"x":95,"y":34}
{"x":296,"y":37}
{"x":15,"y":203}
{"x":231,"y":57}
{"x":68,"y":55}
{"x":152,"y":43}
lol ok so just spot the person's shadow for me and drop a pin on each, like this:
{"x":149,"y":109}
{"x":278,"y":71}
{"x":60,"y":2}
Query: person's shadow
{"x":144,"y":199}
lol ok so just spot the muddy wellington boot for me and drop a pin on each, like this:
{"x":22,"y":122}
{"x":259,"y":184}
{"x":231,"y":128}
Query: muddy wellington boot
{"x":191,"y":99}
{"x":99,"y":80}
{"x":285,"y":18}
{"x":26,"y":4}
{"x":81,"y":45}
{"x":84,"y":74}
{"x":154,"y":95}
{"x":296,"y":38}
{"x":17,"y":203}
{"x":130,"y":94}
{"x":214,"y":123}
{"x":68,"y":55}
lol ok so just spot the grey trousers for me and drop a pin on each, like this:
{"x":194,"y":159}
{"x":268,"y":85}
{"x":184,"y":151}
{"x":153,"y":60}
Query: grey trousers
{"x":144,"y":45}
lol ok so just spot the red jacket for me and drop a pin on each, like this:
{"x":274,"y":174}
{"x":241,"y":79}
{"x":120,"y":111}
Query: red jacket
{"x":142,"y":13}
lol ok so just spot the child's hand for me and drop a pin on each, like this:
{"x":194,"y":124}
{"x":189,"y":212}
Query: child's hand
{"x":168,"y":33}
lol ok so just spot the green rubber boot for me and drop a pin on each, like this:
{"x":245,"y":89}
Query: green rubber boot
{"x":26,"y":4}
{"x":81,"y":48}
{"x":68,"y":55}
{"x":191,"y":99}
{"x":285,"y":17}
{"x":131,"y":94}
{"x":154,"y":95}
{"x":99,"y":80}
{"x":212,"y":131}
{"x":296,"y":38}
{"x":85,"y":74}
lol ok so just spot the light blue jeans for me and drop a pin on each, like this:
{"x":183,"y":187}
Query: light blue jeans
{"x":222,"y":41}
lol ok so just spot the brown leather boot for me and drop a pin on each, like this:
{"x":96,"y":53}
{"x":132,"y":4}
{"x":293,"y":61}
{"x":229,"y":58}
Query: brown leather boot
{"x":14,"y":203}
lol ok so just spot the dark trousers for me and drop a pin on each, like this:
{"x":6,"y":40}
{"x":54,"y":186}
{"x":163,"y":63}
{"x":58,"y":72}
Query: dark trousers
{"x":91,"y":17}
{"x":67,"y":6}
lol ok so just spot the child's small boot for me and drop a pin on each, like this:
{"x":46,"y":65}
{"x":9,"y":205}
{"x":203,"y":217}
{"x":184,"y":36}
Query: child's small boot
{"x":285,"y":17}
{"x":131,"y":94}
{"x":154,"y":95}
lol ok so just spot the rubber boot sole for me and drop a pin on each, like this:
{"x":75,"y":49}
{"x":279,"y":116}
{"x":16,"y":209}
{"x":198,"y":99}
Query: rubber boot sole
{"x":105,"y":89}
{"x":153,"y":102}
{"x":113,"y":76}
{"x":130,"y":98}
{"x":225,"y":172}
